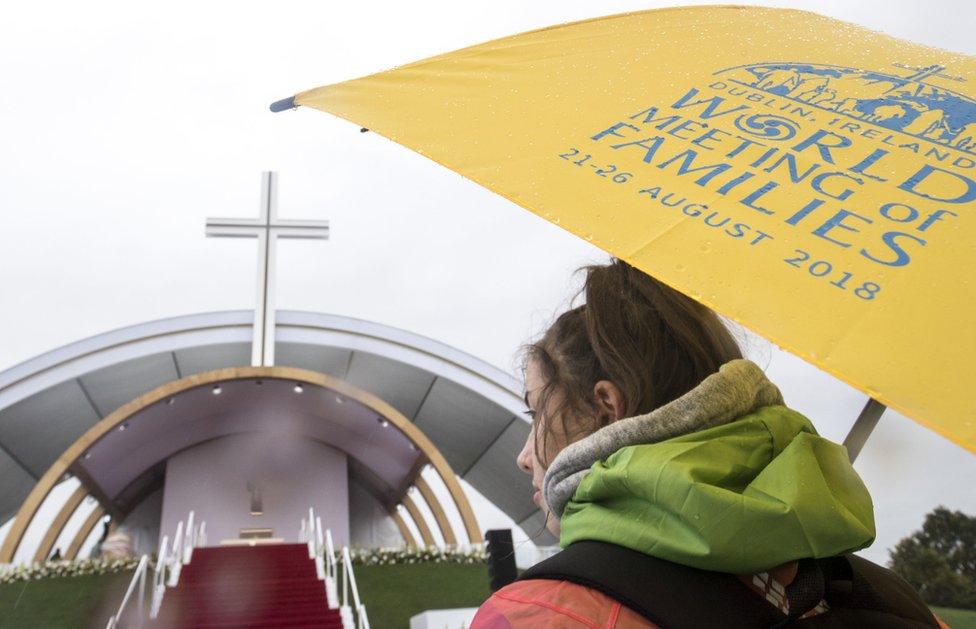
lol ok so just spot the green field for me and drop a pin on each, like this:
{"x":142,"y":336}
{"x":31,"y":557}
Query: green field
{"x":957,"y":618}
{"x":86,"y":601}
{"x":392,"y":594}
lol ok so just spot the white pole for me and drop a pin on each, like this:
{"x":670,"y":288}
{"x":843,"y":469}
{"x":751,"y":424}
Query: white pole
{"x":270,"y":245}
{"x":311,"y":533}
{"x":259,"y":345}
{"x":188,"y":539}
{"x":330,"y":552}
{"x":142,"y":594}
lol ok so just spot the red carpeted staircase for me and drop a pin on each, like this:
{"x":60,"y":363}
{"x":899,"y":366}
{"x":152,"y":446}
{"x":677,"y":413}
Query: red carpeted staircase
{"x":243,"y":586}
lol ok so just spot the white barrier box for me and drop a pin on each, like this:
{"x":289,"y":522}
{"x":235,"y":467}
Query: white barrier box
{"x":444,"y":618}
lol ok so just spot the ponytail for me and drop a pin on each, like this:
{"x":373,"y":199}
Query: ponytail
{"x":654,"y":343}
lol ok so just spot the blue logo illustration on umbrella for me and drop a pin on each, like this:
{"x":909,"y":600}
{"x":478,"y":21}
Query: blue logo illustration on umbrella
{"x":903,"y":103}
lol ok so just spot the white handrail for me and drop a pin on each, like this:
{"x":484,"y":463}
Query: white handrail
{"x":169,"y":559}
{"x":191,"y":533}
{"x":327,"y":568}
{"x":330,"y":553}
{"x":330,"y":570}
{"x":311,"y":534}
{"x":174,"y":557}
{"x":349,"y":583}
{"x":319,"y":542}
{"x":322,"y":568}
{"x":159,"y":578}
{"x":311,"y":537}
{"x":138,"y":582}
{"x":185,"y":540}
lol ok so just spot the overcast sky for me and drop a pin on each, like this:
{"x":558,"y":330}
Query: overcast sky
{"x":124,"y":125}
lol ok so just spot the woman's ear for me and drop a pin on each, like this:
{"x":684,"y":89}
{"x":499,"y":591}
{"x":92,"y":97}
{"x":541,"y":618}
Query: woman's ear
{"x":609,"y":400}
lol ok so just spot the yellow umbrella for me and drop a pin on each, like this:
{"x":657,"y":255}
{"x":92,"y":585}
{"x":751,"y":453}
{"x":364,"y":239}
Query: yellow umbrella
{"x":806,"y":177}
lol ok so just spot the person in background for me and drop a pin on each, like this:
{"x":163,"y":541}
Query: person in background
{"x":96,"y":550}
{"x":683,"y":490}
{"x":118,"y":545}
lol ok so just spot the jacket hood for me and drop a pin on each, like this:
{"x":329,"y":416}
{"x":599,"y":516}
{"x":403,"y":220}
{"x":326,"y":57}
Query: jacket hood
{"x":725,"y":478}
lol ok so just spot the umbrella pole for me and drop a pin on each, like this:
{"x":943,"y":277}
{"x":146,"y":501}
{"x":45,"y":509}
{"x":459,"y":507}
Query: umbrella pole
{"x":863,"y":427}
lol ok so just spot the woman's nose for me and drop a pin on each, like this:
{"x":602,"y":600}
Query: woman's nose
{"x":524,"y":458}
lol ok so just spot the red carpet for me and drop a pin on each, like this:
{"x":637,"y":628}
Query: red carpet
{"x":260,"y":586}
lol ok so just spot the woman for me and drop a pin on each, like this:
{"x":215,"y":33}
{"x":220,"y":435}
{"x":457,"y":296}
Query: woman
{"x":684,"y":492}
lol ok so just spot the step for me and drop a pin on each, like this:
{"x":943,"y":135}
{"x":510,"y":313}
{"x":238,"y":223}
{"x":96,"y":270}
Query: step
{"x":250,"y":584}
{"x":297,"y":622}
{"x":237,"y":603}
{"x":239,"y":610}
{"x":249,"y":577}
{"x":283,"y":613}
{"x":224,"y":587}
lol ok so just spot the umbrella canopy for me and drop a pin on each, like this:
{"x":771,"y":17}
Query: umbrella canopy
{"x":809,"y":178}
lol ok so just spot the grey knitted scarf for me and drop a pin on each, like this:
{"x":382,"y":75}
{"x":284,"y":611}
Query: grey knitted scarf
{"x":737,"y":389}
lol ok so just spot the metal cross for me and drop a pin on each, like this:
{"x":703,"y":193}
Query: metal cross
{"x":267,"y":228}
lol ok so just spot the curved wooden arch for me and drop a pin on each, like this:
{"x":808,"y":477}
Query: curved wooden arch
{"x":418,"y":520}
{"x":76,"y":450}
{"x":404,"y":531}
{"x":435,"y":507}
{"x":57,"y":525}
{"x":86,"y":528}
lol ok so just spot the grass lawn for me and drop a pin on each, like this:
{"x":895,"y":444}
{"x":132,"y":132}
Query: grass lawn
{"x":86,"y":601}
{"x":957,"y":618}
{"x":392,"y":594}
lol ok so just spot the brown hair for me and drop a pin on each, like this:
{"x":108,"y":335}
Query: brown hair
{"x":651,"y":341}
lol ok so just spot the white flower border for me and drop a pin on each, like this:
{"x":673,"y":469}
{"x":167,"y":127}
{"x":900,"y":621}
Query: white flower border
{"x":404,"y":556}
{"x":62,"y":568}
{"x":360,"y":557}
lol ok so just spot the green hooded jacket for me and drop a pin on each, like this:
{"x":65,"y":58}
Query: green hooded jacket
{"x":759,"y":490}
